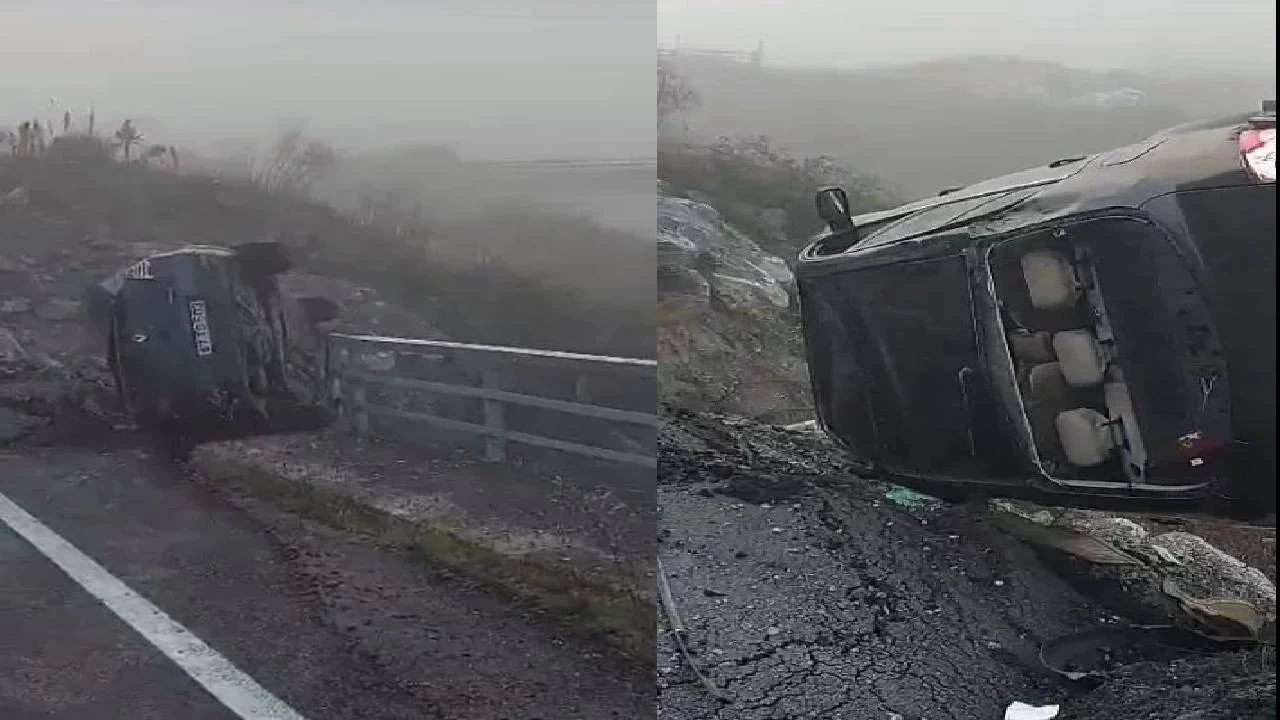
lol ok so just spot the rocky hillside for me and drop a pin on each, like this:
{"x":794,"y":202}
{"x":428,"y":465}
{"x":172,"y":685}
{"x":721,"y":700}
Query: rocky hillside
{"x":728,"y":335}
{"x":72,"y":215}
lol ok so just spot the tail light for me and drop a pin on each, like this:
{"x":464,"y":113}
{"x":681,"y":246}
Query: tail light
{"x":1258,"y":149}
{"x":1195,"y":459}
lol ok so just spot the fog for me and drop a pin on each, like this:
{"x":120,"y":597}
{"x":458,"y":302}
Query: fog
{"x":1183,"y":35}
{"x":497,"y":79}
{"x":922,"y":95}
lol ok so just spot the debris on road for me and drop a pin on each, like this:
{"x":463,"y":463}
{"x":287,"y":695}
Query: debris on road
{"x":1019,"y":710}
{"x":1100,"y":650}
{"x":672,"y":615}
{"x":910,"y":499}
{"x":1178,"y":572}
{"x":878,"y":609}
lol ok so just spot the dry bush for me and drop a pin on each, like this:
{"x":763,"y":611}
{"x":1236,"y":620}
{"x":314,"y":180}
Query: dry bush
{"x":80,"y":148}
{"x":295,"y":163}
{"x":500,"y":301}
{"x":128,"y":136}
{"x":675,"y":95}
{"x":742,"y":177}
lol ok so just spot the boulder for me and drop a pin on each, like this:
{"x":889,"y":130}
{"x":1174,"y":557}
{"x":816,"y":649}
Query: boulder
{"x":728,"y":338}
{"x":692,"y":235}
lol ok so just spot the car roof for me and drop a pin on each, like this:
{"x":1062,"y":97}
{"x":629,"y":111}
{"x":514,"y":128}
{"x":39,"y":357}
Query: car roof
{"x":1192,"y":156}
{"x":195,"y":250}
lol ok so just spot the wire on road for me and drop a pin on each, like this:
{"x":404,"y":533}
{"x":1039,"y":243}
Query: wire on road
{"x":678,"y":631}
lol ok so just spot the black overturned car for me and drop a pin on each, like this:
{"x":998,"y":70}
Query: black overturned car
{"x":202,"y":343}
{"x":1096,"y":332}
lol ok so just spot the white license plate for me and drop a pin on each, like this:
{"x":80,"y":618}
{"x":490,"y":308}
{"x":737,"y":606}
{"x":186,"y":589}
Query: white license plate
{"x":200,"y":328}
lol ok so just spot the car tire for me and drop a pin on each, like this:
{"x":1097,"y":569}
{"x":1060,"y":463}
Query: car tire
{"x":265,"y":258}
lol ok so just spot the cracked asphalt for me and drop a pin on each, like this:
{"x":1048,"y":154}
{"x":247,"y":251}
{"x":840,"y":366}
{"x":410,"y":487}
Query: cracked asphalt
{"x":816,"y":609}
{"x":805,"y":593}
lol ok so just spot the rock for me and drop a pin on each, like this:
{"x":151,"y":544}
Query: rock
{"x":58,"y":310}
{"x":16,"y":197}
{"x":10,"y":349}
{"x":15,"y":306}
{"x":727,"y":335}
{"x":1122,"y":533}
{"x":1206,"y":585}
{"x":693,"y":235}
{"x":14,"y":424}
{"x":1204,"y":571}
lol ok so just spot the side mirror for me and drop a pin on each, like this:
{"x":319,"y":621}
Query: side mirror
{"x":833,"y":208}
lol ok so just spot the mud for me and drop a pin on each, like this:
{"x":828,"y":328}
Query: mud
{"x":806,"y":594}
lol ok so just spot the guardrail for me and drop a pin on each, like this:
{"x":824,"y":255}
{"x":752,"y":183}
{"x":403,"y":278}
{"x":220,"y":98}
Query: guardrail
{"x":501,"y":394}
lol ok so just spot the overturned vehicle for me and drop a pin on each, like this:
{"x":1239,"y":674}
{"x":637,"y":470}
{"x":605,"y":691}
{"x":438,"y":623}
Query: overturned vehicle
{"x":203,"y":344}
{"x":1096,"y":332}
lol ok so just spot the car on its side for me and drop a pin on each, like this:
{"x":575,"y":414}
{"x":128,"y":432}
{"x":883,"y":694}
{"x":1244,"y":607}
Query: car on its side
{"x":202,"y":343}
{"x":1096,"y":332}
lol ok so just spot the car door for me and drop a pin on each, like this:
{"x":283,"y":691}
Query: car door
{"x":898,"y":371}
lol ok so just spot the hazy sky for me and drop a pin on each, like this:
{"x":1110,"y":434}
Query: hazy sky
{"x":1137,"y":34}
{"x":501,"y":78}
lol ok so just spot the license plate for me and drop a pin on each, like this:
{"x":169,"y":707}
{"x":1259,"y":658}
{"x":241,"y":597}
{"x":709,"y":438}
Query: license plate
{"x":200,"y":328}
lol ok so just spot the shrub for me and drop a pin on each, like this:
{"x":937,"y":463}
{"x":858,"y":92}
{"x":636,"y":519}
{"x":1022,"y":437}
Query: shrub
{"x":744,"y":178}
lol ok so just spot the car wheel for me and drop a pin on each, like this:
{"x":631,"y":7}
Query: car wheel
{"x":264,"y":258}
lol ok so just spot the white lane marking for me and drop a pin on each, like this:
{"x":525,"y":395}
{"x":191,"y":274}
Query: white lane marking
{"x":224,"y":681}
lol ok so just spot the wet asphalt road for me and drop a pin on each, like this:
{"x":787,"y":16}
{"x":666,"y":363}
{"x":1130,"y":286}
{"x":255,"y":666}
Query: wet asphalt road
{"x":809,"y":591}
{"x":67,"y":656}
{"x":844,"y":608}
{"x":64,"y":655}
{"x":332,"y":627}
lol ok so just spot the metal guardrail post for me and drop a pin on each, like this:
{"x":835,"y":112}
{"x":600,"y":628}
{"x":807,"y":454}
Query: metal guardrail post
{"x":367,"y":377}
{"x":495,"y":446}
{"x":360,"y":411}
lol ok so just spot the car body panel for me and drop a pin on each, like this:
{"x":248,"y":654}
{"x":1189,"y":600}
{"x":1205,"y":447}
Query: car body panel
{"x":197,"y":340}
{"x":1195,"y":218}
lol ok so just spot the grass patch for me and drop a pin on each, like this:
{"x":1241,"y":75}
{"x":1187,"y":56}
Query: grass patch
{"x":608,"y":606}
